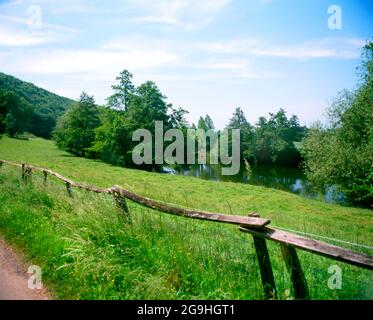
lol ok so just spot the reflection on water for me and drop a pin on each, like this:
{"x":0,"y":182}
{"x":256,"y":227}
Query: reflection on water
{"x":272,"y":176}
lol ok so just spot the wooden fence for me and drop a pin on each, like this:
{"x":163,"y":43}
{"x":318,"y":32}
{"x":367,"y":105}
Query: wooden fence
{"x":252,"y":224}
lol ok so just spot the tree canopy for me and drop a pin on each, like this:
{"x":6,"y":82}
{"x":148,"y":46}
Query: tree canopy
{"x":15,"y":114}
{"x":75,"y":129}
{"x":341,"y":154}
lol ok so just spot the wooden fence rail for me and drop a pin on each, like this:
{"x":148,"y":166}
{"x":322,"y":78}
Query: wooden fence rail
{"x":252,"y":224}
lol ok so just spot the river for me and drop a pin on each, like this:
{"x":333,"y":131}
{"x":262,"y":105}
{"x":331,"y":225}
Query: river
{"x":272,"y":176}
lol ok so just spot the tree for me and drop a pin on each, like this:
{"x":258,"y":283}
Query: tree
{"x":138,"y":110}
{"x":206,"y":123}
{"x":238,"y":121}
{"x":123,"y":91}
{"x":75,"y":129}
{"x":275,"y":139}
{"x":41,"y":124}
{"x":205,"y":146}
{"x":341,"y":154}
{"x":177,"y":118}
{"x":147,"y":106}
{"x":112,"y":139}
{"x":15,"y":114}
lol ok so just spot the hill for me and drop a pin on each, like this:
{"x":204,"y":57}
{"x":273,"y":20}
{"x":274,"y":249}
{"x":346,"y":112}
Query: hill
{"x":46,"y":105}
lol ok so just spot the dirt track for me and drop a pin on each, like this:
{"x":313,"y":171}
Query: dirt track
{"x":14,"y":277}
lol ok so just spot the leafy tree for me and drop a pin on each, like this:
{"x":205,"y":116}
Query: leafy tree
{"x":15,"y":114}
{"x":206,"y":123}
{"x":75,"y":129}
{"x":177,"y":118}
{"x":204,"y":149}
{"x":112,"y":139}
{"x":147,"y":106}
{"x":238,"y":121}
{"x":3,"y":110}
{"x":341,"y":154}
{"x":123,"y":91}
{"x":275,"y":137}
{"x":129,"y":109}
{"x":41,"y":124}
{"x":209,"y":123}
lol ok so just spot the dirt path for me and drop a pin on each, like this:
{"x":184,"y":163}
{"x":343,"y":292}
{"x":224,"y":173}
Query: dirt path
{"x":14,"y":277}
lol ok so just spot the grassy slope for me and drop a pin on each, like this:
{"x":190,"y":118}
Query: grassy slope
{"x":162,"y":256}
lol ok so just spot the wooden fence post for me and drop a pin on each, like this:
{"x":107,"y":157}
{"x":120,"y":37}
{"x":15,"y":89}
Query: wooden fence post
{"x":23,"y":171}
{"x":121,"y":204}
{"x":69,"y":189}
{"x":266,"y":272}
{"x":45,"y":176}
{"x":26,"y":173}
{"x":296,"y":273}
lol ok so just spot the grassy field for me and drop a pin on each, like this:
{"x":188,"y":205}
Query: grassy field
{"x":86,"y":251}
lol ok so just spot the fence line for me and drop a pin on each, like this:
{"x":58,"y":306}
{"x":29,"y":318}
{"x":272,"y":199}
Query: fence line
{"x":252,"y":224}
{"x":328,"y":238}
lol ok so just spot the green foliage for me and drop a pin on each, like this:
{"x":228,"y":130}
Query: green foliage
{"x":75,"y":129}
{"x":147,"y":106}
{"x":122,"y":92}
{"x":271,"y":141}
{"x":275,"y":137}
{"x":238,"y":121}
{"x":112,"y":139}
{"x":342,"y":154}
{"x":46,"y":106}
{"x":131,"y":108}
{"x":206,"y":123}
{"x":15,"y":114}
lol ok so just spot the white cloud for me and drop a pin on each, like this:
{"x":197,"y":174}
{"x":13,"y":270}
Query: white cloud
{"x":9,"y":37}
{"x":80,"y":61}
{"x":225,"y":64}
{"x":15,"y":31}
{"x":347,"y":48}
{"x":190,"y":57}
{"x":186,"y":14}
{"x":72,"y":9}
{"x":44,"y":25}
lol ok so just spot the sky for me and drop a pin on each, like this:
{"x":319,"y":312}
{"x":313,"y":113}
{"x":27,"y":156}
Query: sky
{"x":206,"y":56}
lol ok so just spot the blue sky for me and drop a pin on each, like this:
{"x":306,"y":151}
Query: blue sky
{"x":207,"y":56}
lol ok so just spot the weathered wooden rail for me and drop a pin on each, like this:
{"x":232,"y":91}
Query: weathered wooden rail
{"x":253,"y":224}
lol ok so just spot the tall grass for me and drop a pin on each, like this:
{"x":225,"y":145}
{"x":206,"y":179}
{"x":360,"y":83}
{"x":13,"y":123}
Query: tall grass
{"x":284,"y":209}
{"x":87,"y":251}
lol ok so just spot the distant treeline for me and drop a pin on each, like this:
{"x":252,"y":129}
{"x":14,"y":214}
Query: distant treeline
{"x":106,"y":132}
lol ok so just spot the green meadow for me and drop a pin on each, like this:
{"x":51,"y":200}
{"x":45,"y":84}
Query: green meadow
{"x":87,"y":251}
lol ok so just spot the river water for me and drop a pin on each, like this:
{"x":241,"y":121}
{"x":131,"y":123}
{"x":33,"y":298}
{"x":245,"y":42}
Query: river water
{"x":272,"y":176}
